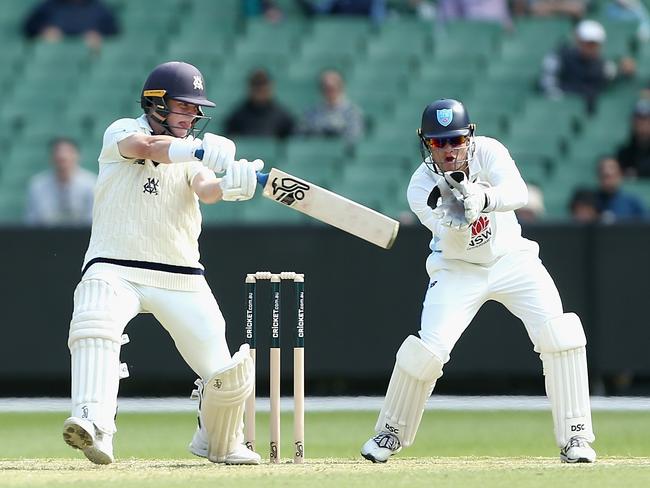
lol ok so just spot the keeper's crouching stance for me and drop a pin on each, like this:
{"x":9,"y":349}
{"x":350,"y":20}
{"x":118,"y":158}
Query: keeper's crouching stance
{"x":465,"y":193}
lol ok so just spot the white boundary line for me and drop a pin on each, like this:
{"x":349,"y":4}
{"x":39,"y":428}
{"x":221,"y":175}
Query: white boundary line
{"x":334,"y":404}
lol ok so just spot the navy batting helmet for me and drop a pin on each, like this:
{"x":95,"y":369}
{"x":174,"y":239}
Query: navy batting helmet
{"x":446,"y":122}
{"x":174,"y":80}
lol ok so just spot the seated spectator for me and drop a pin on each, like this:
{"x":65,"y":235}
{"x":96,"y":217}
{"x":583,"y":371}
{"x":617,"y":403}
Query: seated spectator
{"x":260,"y":114}
{"x":374,"y":9}
{"x":487,"y":10}
{"x":534,"y":209}
{"x":52,"y":20}
{"x":64,"y":194}
{"x":335,"y":116}
{"x":634,"y":156}
{"x":574,"y":9}
{"x":580,"y":68}
{"x":583,"y":206}
{"x":612,"y":201}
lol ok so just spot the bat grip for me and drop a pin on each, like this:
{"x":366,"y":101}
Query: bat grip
{"x":262,"y":178}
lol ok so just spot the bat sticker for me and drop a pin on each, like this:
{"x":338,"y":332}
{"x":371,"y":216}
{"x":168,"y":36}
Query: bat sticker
{"x":288,"y":191}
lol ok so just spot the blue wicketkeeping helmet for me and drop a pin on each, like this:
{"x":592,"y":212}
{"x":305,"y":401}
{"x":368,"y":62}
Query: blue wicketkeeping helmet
{"x":446,"y":119}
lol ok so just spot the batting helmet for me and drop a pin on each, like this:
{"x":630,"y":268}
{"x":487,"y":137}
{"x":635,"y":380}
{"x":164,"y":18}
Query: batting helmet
{"x":174,"y":80}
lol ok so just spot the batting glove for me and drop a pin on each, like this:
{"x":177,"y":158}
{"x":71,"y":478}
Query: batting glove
{"x":218,"y":152}
{"x":240,"y":180}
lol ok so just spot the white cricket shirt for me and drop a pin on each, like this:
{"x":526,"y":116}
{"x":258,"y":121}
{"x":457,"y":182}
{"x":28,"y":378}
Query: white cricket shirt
{"x":145,"y":215}
{"x":493,"y":234}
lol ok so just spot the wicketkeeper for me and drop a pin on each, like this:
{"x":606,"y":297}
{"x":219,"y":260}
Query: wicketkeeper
{"x":465,"y":192}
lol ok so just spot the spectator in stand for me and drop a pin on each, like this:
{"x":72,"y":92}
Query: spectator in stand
{"x":574,"y":9}
{"x":612,"y":201}
{"x":634,"y":156}
{"x":533,"y":210}
{"x":52,"y":20}
{"x":64,"y":194}
{"x":374,"y":9}
{"x":260,"y":114}
{"x":335,"y":116}
{"x":580,"y":68}
{"x":583,"y":206}
{"x":487,"y":10}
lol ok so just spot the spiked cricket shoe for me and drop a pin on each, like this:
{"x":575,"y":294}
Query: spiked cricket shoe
{"x":239,"y":455}
{"x":82,"y":434}
{"x":577,"y":450}
{"x":380,"y":447}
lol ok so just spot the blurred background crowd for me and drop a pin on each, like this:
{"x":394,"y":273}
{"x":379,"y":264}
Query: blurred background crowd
{"x":332,"y":91}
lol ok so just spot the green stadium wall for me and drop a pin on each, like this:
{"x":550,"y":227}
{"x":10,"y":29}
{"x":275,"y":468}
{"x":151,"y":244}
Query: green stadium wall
{"x":361,"y":302}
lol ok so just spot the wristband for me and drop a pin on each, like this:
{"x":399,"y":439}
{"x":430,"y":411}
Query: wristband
{"x":182,"y":151}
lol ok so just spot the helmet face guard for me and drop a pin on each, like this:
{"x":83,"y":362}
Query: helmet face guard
{"x":175,"y":81}
{"x":458,"y":143}
{"x":156,"y":107}
{"x":446,"y":124}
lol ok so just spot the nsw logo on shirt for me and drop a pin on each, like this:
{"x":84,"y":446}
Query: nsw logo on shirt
{"x":481,"y":232}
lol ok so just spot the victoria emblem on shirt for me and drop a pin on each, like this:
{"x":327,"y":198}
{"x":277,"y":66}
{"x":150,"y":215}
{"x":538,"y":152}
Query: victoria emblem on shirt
{"x":151,"y":186}
{"x":481,"y":232}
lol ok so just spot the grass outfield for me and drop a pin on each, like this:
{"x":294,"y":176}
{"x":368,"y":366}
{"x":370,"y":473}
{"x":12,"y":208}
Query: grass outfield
{"x":487,"y":449}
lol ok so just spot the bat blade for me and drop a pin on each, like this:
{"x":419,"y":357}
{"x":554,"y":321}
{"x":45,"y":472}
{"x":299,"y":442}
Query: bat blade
{"x":329,"y":207}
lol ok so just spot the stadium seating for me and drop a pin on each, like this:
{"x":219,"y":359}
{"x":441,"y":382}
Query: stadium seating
{"x":392,"y":71}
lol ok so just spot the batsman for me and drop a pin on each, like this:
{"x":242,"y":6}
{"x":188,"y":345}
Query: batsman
{"x":143,"y":257}
{"x":465,"y":192}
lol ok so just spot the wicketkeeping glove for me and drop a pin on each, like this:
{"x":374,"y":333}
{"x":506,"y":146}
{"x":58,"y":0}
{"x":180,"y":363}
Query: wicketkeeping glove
{"x":240,"y":180}
{"x":474,"y":198}
{"x":451,"y":213}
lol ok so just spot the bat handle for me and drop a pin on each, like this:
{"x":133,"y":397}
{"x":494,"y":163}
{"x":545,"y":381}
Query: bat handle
{"x":262,"y":178}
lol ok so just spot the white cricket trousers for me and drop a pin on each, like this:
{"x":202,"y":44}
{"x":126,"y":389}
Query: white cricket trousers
{"x":458,"y":289}
{"x":192,"y":318}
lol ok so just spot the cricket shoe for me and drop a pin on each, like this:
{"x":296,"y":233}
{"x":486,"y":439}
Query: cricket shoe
{"x":82,"y":434}
{"x":577,"y":450}
{"x":380,"y":447}
{"x":239,"y":455}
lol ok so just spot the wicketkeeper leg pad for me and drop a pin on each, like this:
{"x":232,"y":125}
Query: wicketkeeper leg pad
{"x":561,"y":344}
{"x":414,"y":376}
{"x":222,"y":407}
{"x":94,"y":341}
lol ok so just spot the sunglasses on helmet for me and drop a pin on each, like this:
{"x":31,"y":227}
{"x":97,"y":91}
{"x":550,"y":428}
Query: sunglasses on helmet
{"x":440,"y":142}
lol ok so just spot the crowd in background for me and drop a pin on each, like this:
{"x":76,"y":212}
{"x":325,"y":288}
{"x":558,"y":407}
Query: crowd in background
{"x":63,"y":194}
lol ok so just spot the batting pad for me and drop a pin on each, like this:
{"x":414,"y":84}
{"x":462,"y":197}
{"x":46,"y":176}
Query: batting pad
{"x":414,"y":376}
{"x":561,"y":344}
{"x":95,"y":354}
{"x":222,"y":408}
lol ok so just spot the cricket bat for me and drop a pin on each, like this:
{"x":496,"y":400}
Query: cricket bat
{"x":327,"y":206}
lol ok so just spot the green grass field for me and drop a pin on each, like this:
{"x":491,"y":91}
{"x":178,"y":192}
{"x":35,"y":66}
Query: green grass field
{"x":487,"y":449}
